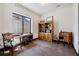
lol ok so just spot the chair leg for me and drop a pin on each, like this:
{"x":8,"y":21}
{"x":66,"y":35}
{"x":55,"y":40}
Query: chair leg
{"x":11,"y":51}
{"x":3,"y":52}
{"x":21,"y":47}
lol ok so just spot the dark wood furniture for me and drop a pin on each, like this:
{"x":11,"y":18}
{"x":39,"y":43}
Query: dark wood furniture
{"x":27,"y":38}
{"x":46,"y":30}
{"x":66,"y":37}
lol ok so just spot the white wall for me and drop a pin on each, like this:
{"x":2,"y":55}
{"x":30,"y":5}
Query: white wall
{"x":75,"y":26}
{"x":78,"y":28}
{"x":1,"y":21}
{"x":9,"y":8}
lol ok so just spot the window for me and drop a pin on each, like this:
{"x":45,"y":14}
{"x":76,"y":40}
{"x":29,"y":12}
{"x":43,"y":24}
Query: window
{"x":27,"y":22}
{"x":21,"y":24}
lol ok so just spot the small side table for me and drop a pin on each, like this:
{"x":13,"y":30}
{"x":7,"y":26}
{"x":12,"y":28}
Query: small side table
{"x":66,"y":37}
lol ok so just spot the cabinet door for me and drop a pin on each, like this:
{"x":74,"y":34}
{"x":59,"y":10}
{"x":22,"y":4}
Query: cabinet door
{"x":67,"y":38}
{"x":41,"y":36}
{"x":45,"y":37}
{"x":48,"y":36}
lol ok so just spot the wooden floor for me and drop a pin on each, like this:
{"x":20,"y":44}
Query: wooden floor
{"x":44,"y":48}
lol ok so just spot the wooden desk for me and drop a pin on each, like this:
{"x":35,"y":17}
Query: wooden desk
{"x":67,"y":36}
{"x":26,"y":38}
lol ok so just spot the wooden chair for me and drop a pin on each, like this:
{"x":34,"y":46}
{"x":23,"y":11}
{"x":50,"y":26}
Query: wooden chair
{"x":8,"y":43}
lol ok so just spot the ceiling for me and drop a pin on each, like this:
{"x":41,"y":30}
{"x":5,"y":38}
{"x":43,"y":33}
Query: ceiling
{"x":42,"y":8}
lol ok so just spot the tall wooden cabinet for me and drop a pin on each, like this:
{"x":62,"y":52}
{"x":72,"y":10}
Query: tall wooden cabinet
{"x":46,"y":30}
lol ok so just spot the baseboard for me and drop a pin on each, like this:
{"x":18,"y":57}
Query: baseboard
{"x":35,"y":38}
{"x":75,"y":50}
{"x":72,"y":46}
